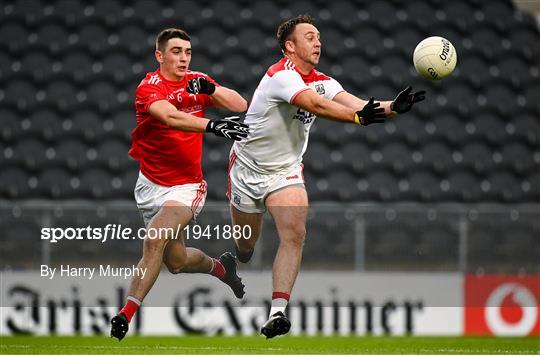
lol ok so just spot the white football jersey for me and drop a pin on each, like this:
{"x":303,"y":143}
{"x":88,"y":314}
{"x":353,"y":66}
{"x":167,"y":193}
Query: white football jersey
{"x":279,"y":131}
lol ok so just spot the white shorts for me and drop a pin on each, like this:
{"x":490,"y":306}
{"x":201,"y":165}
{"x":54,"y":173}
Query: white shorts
{"x":247,"y":190}
{"x":151,"y":196}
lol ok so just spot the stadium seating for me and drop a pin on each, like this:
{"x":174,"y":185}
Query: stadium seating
{"x":69,"y":70}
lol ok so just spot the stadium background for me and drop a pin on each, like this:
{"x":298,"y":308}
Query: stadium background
{"x":452,"y":186}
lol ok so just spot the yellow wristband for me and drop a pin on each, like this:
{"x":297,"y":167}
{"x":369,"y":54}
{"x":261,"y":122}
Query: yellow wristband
{"x":356,"y":119}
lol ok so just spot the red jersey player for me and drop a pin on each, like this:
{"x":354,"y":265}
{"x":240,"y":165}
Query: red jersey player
{"x":170,"y":190}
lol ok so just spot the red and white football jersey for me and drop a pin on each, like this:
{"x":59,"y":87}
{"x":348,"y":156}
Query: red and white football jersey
{"x":279,"y":131}
{"x":167,"y":156}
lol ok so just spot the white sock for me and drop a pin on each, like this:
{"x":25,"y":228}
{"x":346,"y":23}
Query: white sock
{"x":278,"y":305}
{"x":134,"y":300}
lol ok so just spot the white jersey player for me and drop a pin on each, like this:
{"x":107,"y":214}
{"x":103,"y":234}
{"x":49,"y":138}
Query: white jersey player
{"x":274,"y":119}
{"x":265,"y":170}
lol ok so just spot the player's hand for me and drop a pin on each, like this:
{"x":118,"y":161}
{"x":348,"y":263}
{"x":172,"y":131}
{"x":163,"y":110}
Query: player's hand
{"x":371,"y":113}
{"x":405,"y":100}
{"x":200,"y":85}
{"x":229,"y":127}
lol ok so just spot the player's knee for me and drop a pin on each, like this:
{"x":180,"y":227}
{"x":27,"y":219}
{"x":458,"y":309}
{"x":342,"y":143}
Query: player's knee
{"x":177,"y":262}
{"x":296,"y":234}
{"x":175,"y":267}
{"x":298,"y":231}
{"x":154,"y":245}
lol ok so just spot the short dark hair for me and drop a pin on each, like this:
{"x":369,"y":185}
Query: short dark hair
{"x":287,"y":27}
{"x":167,"y":34}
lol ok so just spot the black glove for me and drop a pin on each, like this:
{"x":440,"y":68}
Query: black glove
{"x":228,"y":127}
{"x":405,"y":100}
{"x":200,"y":85}
{"x":371,"y":113}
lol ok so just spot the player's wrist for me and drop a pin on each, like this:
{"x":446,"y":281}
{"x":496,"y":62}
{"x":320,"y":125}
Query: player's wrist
{"x":211,"y":88}
{"x":357,"y":119}
{"x":391,"y":107}
{"x":210,"y":125}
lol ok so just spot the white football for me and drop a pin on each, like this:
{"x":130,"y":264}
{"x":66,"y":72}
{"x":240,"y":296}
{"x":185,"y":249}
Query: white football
{"x":435,"y":58}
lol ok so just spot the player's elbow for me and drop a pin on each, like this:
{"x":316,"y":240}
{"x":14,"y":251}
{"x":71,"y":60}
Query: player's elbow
{"x":164,"y":116}
{"x":310,"y":101}
{"x":169,"y":119}
{"x":318,"y":107}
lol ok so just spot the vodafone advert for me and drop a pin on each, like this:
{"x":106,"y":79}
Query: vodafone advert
{"x":502,"y":305}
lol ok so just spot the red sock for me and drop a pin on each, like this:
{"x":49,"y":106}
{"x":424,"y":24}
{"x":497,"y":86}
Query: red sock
{"x":279,"y":302}
{"x":131,"y":307}
{"x":281,"y":295}
{"x":217,"y":269}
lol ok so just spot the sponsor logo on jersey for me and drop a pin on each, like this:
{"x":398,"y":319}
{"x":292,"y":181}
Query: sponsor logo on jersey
{"x":236,"y":198}
{"x":304,"y":116}
{"x":292,"y":177}
{"x":193,"y":108}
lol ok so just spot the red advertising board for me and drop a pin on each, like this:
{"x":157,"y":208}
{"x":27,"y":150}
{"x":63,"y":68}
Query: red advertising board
{"x":502,"y":305}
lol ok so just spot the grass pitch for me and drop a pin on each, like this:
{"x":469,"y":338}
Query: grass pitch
{"x":259,"y":345}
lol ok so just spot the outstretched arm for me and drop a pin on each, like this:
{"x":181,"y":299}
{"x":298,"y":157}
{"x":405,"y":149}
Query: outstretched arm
{"x":316,"y":104}
{"x":364,"y":114}
{"x":222,"y":97}
{"x":401,"y":104}
{"x":167,"y":113}
{"x":351,"y":101}
{"x":229,"y":99}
